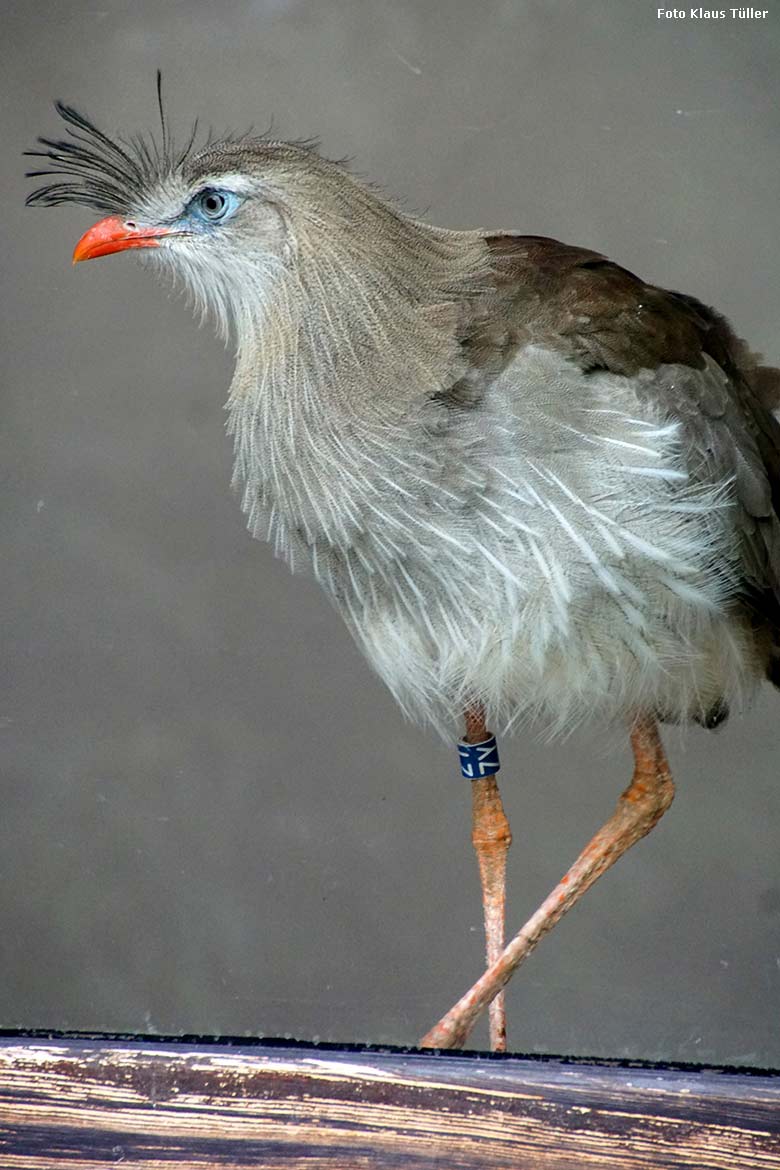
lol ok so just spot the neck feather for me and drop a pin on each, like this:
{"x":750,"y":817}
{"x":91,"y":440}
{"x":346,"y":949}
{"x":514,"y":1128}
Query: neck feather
{"x":338,"y":352}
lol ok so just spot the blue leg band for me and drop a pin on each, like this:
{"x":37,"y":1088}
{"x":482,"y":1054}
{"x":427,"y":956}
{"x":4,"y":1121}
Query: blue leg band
{"x":479,"y":759}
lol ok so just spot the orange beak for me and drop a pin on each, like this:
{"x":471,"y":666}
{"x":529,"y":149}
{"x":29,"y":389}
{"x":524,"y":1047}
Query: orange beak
{"x":116,"y":235}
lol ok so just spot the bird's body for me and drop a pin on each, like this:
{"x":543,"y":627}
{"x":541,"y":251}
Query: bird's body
{"x":543,"y":548}
{"x":532,"y":484}
{"x":503,"y":512}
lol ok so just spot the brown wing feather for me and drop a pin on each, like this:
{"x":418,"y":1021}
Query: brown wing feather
{"x":578,"y":302}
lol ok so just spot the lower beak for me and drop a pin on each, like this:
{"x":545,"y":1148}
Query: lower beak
{"x":116,"y":235}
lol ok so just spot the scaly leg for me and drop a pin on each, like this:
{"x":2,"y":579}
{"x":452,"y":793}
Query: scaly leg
{"x":640,"y":807}
{"x":491,"y":837}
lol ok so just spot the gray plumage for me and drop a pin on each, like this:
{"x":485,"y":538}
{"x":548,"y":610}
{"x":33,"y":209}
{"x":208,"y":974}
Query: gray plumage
{"x":526,"y":478}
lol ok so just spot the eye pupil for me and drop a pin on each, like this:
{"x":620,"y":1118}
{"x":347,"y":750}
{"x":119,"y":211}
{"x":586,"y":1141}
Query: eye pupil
{"x":213,"y":203}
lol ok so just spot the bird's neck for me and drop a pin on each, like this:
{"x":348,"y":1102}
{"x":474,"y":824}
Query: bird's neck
{"x":337,"y":360}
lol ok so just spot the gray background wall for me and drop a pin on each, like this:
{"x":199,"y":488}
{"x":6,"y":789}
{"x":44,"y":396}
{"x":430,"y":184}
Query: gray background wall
{"x":213,"y":817}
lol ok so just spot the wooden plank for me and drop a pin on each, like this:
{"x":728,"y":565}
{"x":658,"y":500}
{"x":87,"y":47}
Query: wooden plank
{"x":70,"y":1103}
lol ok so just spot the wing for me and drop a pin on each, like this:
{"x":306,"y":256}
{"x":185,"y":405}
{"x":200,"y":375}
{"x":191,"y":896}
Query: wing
{"x":605,"y":318}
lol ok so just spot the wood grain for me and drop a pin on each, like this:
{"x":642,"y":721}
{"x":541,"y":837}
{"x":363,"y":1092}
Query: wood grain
{"x":70,"y":1103}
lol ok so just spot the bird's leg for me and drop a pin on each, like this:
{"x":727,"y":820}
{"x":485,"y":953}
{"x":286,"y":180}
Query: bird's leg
{"x":640,"y":807}
{"x":491,"y":837}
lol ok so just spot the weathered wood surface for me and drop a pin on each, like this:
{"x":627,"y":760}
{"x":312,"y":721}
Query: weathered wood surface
{"x":68,"y":1103}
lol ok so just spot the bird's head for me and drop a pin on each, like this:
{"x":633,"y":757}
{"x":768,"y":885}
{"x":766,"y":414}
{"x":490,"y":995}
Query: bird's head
{"x":223,"y":217}
{"x":321,"y":277}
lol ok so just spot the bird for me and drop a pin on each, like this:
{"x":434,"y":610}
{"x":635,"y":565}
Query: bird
{"x":539,"y":490}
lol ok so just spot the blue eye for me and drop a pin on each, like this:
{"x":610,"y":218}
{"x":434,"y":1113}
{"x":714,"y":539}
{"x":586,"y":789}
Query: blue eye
{"x":214,"y":205}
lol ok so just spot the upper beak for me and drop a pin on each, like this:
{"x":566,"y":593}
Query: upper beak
{"x":113,"y":234}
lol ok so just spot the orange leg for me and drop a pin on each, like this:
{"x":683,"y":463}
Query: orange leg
{"x":640,"y":807}
{"x":491,"y":837}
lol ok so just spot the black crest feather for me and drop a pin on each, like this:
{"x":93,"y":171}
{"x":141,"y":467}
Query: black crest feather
{"x":108,"y":174}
